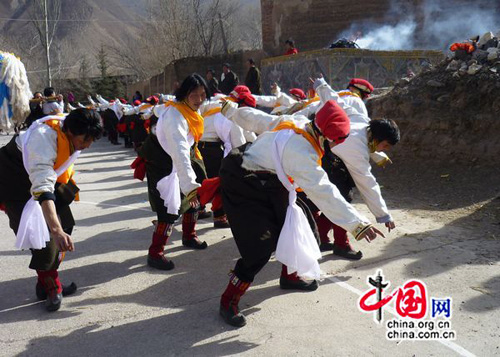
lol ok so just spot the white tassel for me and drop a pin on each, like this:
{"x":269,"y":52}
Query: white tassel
{"x":13,"y":74}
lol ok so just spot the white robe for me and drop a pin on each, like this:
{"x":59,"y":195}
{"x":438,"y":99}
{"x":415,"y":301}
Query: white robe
{"x":300,"y":161}
{"x":355,"y":154}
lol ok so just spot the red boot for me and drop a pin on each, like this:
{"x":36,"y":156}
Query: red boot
{"x":324,"y":227}
{"x":229,"y":301}
{"x":189,"y":237}
{"x":53,"y":288}
{"x":341,"y":245}
{"x":295,"y":282}
{"x":156,"y":256}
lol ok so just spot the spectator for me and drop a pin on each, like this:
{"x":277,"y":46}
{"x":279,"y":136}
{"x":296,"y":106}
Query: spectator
{"x":137,"y":96}
{"x":228,"y":79}
{"x":290,"y":48}
{"x":71,"y":98}
{"x":212,"y":82}
{"x":53,"y":104}
{"x":36,"y":111}
{"x":253,"y":78}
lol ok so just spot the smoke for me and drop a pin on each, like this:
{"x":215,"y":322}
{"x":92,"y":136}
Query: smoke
{"x":434,"y":25}
{"x":399,"y":37}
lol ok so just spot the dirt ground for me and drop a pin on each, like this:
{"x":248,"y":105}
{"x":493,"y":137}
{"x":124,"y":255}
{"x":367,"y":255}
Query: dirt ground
{"x":448,"y":233}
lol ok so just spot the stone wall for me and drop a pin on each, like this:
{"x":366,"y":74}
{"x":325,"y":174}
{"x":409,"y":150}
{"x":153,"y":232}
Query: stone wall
{"x":338,"y":66}
{"x":315,"y":24}
{"x":178,"y":70}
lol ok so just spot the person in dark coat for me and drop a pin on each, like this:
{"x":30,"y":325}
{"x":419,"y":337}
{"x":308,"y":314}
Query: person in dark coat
{"x":253,"y":78}
{"x":212,"y":82}
{"x":228,"y":79}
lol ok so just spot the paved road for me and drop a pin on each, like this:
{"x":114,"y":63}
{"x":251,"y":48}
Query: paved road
{"x":124,"y":308}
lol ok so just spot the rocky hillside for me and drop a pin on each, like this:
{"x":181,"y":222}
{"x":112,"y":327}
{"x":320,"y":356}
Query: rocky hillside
{"x":452,"y":109}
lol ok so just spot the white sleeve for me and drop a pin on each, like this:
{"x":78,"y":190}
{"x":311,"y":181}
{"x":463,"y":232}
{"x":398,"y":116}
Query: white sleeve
{"x":268,"y":101}
{"x":310,"y":109}
{"x":326,"y":93}
{"x":237,"y":136}
{"x":257,"y":121}
{"x":285,"y":100}
{"x":300,"y":161}
{"x":51,"y":108}
{"x":166,"y":97}
{"x":41,"y":154}
{"x":250,"y":137}
{"x":209,"y":105}
{"x":357,"y":162}
{"x":176,"y":130}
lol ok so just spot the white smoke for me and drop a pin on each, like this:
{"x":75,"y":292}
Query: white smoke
{"x":399,"y":37}
{"x":439,"y":24}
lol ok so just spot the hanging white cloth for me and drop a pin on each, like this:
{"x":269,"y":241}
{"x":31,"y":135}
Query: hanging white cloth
{"x":169,"y":187}
{"x":297,"y":248}
{"x":33,"y":231}
{"x":223,"y":128}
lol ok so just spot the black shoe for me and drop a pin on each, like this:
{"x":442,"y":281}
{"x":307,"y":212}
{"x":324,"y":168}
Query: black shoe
{"x":221,"y":224}
{"x":204,"y":214}
{"x":53,"y":302}
{"x":233,"y":318}
{"x":298,"y":284}
{"x":326,"y":247}
{"x":347,"y":253}
{"x":66,"y":290}
{"x":194,"y":243}
{"x":160,"y":263}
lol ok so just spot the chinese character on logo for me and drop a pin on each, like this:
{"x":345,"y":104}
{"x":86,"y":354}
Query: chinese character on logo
{"x":412,"y":300}
{"x":379,"y":286}
{"x":441,"y":307}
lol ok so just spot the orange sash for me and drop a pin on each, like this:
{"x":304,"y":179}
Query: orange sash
{"x":346,"y":93}
{"x":211,"y":112}
{"x":64,"y":151}
{"x":194,"y":120}
{"x":291,"y":125}
{"x":311,"y":139}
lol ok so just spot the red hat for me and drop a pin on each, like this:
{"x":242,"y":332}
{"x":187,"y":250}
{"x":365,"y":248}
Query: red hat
{"x":361,"y":84}
{"x":333,"y":122}
{"x":243,"y":96}
{"x":298,"y":93}
{"x":123,"y":101}
{"x":152,"y":100}
{"x":239,"y":89}
{"x":137,"y":102}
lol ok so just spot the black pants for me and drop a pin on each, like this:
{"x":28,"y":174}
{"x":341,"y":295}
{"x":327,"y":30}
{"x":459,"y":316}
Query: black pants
{"x":212,"y":153}
{"x":46,"y":258}
{"x":15,"y":192}
{"x":256,"y":206}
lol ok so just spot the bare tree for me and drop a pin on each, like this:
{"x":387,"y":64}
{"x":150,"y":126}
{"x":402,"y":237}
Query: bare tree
{"x":45,"y":15}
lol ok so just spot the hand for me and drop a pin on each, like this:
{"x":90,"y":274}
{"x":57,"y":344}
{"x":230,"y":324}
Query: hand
{"x":390,"y":225}
{"x":192,"y":197}
{"x":63,"y":241}
{"x":370,"y":234}
{"x":275,"y":89}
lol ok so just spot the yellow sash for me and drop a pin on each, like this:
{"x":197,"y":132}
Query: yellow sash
{"x":64,"y":151}
{"x":311,"y":139}
{"x":344,"y":94}
{"x":211,"y":112}
{"x":194,"y":120}
{"x":290,"y":125}
{"x":312,"y":100}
